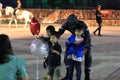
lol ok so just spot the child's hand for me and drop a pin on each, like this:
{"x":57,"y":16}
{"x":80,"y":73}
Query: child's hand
{"x":84,"y":52}
{"x":56,"y":52}
{"x":78,"y":42}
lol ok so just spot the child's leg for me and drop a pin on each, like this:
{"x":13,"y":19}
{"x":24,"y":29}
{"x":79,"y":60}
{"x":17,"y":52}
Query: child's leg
{"x":50,"y":73}
{"x":57,"y":73}
{"x":78,"y":70}
{"x":70,"y":69}
{"x":50,"y":77}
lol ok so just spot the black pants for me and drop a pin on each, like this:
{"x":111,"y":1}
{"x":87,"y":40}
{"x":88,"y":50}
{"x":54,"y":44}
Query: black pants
{"x":98,"y":29}
{"x":88,"y":64}
{"x":77,"y":65}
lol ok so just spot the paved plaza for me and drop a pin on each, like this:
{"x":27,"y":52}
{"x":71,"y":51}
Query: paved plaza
{"x":105,"y":51}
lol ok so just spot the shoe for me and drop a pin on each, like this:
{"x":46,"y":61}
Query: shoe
{"x":100,"y":35}
{"x":94,"y":33}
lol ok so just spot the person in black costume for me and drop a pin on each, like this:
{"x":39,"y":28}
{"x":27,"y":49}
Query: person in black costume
{"x":98,"y":20}
{"x":69,"y":25}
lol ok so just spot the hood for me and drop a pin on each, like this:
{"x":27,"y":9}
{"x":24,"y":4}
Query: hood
{"x":72,"y":20}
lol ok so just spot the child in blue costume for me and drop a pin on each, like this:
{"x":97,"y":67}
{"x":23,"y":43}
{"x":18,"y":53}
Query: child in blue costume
{"x":75,"y":49}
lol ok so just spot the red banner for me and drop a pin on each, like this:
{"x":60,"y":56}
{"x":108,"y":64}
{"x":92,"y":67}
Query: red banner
{"x":106,"y":14}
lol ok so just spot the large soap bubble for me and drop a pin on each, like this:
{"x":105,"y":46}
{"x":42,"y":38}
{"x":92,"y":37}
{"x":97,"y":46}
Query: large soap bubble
{"x":39,"y":47}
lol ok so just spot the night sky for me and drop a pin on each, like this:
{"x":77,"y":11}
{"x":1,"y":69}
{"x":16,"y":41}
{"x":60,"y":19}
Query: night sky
{"x":12,"y":3}
{"x":43,"y":4}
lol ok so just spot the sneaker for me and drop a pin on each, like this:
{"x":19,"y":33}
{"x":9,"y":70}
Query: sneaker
{"x":94,"y":33}
{"x":100,"y":35}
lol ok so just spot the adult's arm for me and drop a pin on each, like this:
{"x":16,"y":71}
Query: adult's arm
{"x":62,"y":29}
{"x":87,"y":36}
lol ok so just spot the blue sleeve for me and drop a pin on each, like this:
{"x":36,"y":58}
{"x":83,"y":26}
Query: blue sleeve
{"x":81,"y":46}
{"x":71,"y":40}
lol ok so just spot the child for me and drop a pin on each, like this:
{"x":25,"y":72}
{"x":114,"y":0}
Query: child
{"x":75,"y":49}
{"x":49,"y":30}
{"x":54,"y":58}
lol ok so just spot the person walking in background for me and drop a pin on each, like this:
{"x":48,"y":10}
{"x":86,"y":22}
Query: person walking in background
{"x":98,"y":20}
{"x":69,"y":25}
{"x":75,"y":51}
{"x":12,"y":67}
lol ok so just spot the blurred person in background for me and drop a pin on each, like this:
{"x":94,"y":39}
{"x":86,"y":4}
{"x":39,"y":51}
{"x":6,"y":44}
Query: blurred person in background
{"x":12,"y":67}
{"x":98,"y":20}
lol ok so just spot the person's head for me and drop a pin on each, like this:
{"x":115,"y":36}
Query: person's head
{"x":53,"y":38}
{"x":98,"y":7}
{"x":79,"y":30}
{"x":50,"y":30}
{"x":5,"y":48}
{"x":72,"y":20}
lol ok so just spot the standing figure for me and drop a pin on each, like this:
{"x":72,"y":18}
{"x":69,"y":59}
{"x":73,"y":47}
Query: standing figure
{"x":75,"y":51}
{"x":12,"y":67}
{"x":54,"y":58}
{"x":69,"y":25}
{"x":98,"y":20}
{"x":50,"y":30}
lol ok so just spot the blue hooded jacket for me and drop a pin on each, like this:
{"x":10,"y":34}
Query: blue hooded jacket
{"x":73,"y":48}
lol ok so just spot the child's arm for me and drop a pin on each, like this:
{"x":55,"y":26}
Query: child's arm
{"x":56,"y":52}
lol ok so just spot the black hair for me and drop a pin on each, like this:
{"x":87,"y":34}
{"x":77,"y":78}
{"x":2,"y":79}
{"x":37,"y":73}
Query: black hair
{"x":55,"y":33}
{"x":5,"y":48}
{"x":51,"y":28}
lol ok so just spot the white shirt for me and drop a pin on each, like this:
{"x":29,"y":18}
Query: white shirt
{"x":73,"y":57}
